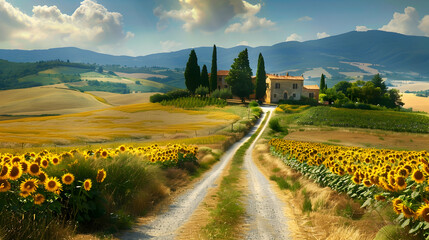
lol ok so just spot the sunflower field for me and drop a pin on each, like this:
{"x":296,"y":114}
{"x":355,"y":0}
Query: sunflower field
{"x":82,"y":186}
{"x":374,"y":176}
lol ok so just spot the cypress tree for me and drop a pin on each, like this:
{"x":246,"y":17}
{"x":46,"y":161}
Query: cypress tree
{"x":192,"y":72}
{"x":261,"y":77}
{"x":213,"y":74}
{"x":240,"y":76}
{"x":323,"y":85}
{"x":205,"y":77}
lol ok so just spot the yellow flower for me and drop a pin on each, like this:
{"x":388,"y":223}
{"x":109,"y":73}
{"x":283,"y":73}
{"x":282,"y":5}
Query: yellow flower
{"x":101,"y":175}
{"x":87,"y":184}
{"x":408,"y":212}
{"x":34,"y":169}
{"x":400,"y":182}
{"x":29,"y":185}
{"x":42,"y":177}
{"x":68,"y":178}
{"x":24,"y":194}
{"x":44,"y":163}
{"x":15,"y":172}
{"x":5,"y":170}
{"x":418,"y":176}
{"x":52,"y":184}
{"x":55,"y":160}
{"x":4,"y":185}
{"x":39,"y":199}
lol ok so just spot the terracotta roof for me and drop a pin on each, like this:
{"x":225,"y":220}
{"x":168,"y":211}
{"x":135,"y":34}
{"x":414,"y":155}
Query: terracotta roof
{"x":222,"y":73}
{"x":278,"y":77}
{"x":311,"y":87}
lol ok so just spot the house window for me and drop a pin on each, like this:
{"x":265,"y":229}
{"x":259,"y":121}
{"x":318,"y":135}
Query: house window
{"x":226,"y":86}
{"x":294,"y":95}
{"x":275,"y":95}
{"x":285,"y":96}
{"x":220,"y":79}
{"x":295,"y":86}
{"x":277,"y":85}
{"x":311,"y":95}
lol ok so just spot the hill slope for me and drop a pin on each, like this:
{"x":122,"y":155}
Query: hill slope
{"x":391,"y":52}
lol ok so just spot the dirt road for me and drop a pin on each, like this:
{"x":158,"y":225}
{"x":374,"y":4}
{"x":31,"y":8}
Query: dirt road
{"x":165,"y":225}
{"x":265,"y":215}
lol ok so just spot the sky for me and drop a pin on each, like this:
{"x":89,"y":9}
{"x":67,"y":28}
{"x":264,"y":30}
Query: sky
{"x":141,"y":27}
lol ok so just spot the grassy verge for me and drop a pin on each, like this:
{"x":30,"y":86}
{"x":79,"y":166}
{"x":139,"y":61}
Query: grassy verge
{"x":230,"y":209}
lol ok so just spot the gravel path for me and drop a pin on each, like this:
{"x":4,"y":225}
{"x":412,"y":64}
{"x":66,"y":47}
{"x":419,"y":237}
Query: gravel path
{"x":165,"y":225}
{"x":265,"y":215}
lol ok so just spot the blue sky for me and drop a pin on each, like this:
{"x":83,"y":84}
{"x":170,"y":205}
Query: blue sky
{"x":140,"y":27}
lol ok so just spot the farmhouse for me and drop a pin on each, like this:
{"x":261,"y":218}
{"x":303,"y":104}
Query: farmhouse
{"x":288,"y":88}
{"x":278,"y":87}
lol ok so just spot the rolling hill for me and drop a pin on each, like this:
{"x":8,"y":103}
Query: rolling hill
{"x":394,"y":54}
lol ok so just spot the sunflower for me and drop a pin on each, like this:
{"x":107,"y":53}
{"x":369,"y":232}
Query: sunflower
{"x":16,"y":159}
{"x":5,"y":170}
{"x":122,"y":148}
{"x":44,"y":163}
{"x":418,"y":176}
{"x":55,"y":160}
{"x":407,"y":211}
{"x":39,"y":199}
{"x":24,"y":194}
{"x":24,"y":165}
{"x":4,"y":185}
{"x":29,"y":185}
{"x":67,"y":178}
{"x":400,"y":182}
{"x":397,"y":205}
{"x":87,"y":184}
{"x":104,"y":154}
{"x":101,"y":175}
{"x":380,"y":197}
{"x":423,"y":212}
{"x":15,"y":172}
{"x":367,"y":183}
{"x":42,"y":177}
{"x":34,"y":169}
{"x":52,"y":184}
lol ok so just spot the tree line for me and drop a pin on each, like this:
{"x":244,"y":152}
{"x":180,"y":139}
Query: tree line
{"x":239,"y":78}
{"x":372,"y":92}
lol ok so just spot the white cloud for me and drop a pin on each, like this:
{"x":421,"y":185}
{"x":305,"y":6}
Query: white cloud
{"x":243,"y":43}
{"x":362,"y":29}
{"x":170,"y":45}
{"x":212,"y":15}
{"x":90,"y":26}
{"x":405,"y":23}
{"x":322,"y":35}
{"x":424,"y":25}
{"x":294,"y":37}
{"x":305,"y":19}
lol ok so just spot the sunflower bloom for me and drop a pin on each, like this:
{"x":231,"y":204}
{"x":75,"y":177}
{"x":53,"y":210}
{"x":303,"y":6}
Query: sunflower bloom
{"x":29,"y":185}
{"x":104,"y":154}
{"x":423,"y":212}
{"x":87,"y":185}
{"x":24,"y":194}
{"x":15,"y":172}
{"x":42,"y":177}
{"x":39,"y":199}
{"x":380,"y":197}
{"x":397,"y":205}
{"x":4,"y":185}
{"x":24,"y":166}
{"x":44,"y":163}
{"x":418,"y":176}
{"x":55,"y":161}
{"x":67,"y":178}
{"x":400,"y":182}
{"x":4,"y":173}
{"x":408,"y":212}
{"x":52,"y":184}
{"x":101,"y":175}
{"x":34,"y":169}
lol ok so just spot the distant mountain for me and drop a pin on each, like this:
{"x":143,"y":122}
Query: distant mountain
{"x":390,"y":53}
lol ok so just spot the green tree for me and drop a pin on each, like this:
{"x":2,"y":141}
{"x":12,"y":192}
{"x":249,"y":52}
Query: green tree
{"x":240,"y":76}
{"x":205,"y":77}
{"x":261,"y":77}
{"x":378,"y":82}
{"x":213,"y":74}
{"x":192,"y":72}
{"x":343,"y":86}
{"x":323,"y":85}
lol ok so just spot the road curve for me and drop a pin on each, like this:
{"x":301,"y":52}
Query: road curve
{"x":265,"y":215}
{"x":165,"y":225}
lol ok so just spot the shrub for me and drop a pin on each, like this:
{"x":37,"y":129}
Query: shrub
{"x":202,"y":91}
{"x":215,"y":94}
{"x":157,"y":98}
{"x":225,"y":93}
{"x":253,"y":104}
{"x":275,"y":125}
{"x":179,"y":93}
